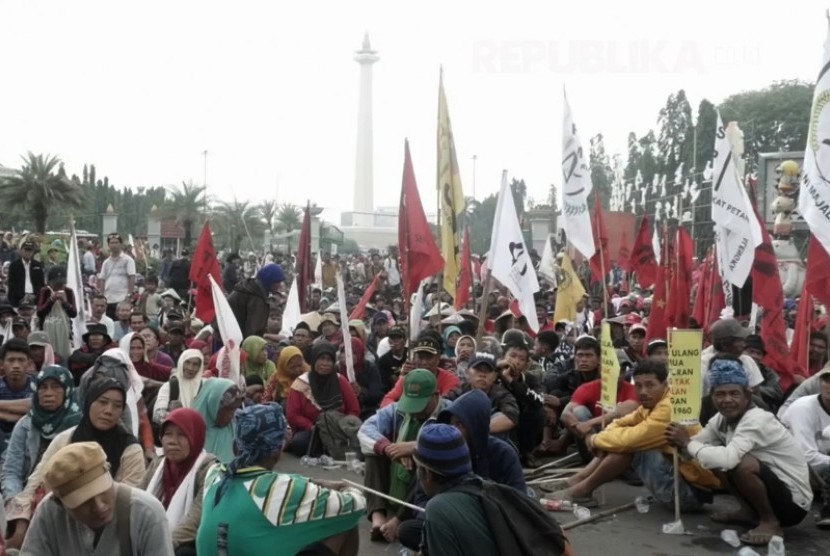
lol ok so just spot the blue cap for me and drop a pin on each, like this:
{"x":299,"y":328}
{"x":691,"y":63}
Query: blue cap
{"x":442,"y":450}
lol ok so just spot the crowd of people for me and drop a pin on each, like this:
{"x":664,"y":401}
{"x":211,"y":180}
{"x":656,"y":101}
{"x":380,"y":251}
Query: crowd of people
{"x":139,"y":438}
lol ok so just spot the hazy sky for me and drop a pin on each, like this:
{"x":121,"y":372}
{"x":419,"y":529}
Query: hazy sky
{"x":270,"y":88}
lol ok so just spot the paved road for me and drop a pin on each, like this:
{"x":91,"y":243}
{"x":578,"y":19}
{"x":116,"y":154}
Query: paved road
{"x":627,"y":533}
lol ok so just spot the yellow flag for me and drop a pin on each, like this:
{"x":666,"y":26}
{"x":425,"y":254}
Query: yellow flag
{"x":569,"y":293}
{"x":684,"y":375}
{"x":609,"y":370}
{"x":450,"y":194}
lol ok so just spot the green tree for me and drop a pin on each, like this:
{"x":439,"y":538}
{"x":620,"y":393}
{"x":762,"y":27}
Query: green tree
{"x":40,"y":187}
{"x":675,"y":140}
{"x":704,"y":134}
{"x":773,"y":119}
{"x":481,"y":224}
{"x":288,"y":218}
{"x":268,"y":210}
{"x":519,"y":190}
{"x":236,"y":221}
{"x":186,"y":205}
{"x":602,"y":175}
{"x":634,"y":155}
{"x":649,"y":164}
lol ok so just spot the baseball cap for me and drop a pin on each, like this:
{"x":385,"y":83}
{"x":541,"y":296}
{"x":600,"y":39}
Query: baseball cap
{"x":379,"y":318}
{"x":728,"y":328}
{"x":397,"y":331}
{"x":635,"y":328}
{"x":38,"y":339}
{"x":483,"y":359}
{"x":28,"y":245}
{"x":418,"y":387}
{"x":656,"y":343}
{"x":427,"y":344}
{"x":78,"y":472}
{"x":20,"y":321}
{"x":175,"y":326}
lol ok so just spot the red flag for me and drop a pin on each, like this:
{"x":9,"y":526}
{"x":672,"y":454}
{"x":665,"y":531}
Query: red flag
{"x":677,"y":313}
{"x":205,"y":264}
{"x":643,"y":261}
{"x":703,"y":292}
{"x":817,"y":279}
{"x":801,"y":335}
{"x":600,"y":266}
{"x":624,"y":254}
{"x":657,"y":318}
{"x":768,"y":294}
{"x":420,"y":257}
{"x":465,"y":274}
{"x":360,"y":308}
{"x":305,"y":267}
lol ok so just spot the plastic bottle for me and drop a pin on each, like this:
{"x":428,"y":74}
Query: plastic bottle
{"x":308,"y":461}
{"x":730,"y":537}
{"x":326,"y":460}
{"x":581,"y":512}
{"x":642,"y":504}
{"x":776,"y":546}
{"x":747,"y":551}
{"x":557,"y":505}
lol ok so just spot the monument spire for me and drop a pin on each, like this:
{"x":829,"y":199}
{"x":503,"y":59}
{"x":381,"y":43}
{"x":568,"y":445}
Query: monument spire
{"x":364,"y":164}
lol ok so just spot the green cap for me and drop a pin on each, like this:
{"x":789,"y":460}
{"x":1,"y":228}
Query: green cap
{"x":418,"y":387}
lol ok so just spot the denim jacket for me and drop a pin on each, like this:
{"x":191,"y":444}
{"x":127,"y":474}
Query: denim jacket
{"x":20,"y":458}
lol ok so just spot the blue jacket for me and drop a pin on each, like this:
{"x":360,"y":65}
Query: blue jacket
{"x":20,"y":457}
{"x":381,"y":429}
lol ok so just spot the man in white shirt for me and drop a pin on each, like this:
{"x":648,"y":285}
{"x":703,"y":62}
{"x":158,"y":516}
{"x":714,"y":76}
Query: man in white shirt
{"x":98,"y":306}
{"x":89,"y":260}
{"x":117,"y":274}
{"x":756,"y":455}
{"x":393,"y":272}
{"x":808,"y":418}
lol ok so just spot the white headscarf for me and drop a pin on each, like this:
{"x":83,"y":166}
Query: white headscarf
{"x":188,"y":388}
{"x":136,"y":383}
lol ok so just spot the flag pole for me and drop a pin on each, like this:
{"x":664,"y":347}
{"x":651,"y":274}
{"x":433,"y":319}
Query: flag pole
{"x":482,"y":312}
{"x":601,"y":260}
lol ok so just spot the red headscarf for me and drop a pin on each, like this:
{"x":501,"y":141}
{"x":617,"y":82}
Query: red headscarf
{"x":358,"y":357}
{"x":193,"y":426}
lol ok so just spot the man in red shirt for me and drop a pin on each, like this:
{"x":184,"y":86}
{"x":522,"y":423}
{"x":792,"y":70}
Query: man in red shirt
{"x":426,"y":355}
{"x":583,"y":414}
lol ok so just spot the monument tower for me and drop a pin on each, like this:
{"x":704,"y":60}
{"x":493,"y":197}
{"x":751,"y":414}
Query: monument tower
{"x":364,"y":206}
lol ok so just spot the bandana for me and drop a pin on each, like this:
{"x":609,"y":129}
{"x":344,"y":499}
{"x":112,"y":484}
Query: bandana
{"x":727,"y":371}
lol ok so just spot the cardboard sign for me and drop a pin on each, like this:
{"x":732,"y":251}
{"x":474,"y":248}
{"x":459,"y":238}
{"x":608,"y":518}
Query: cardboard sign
{"x":684,"y":375}
{"x":609,"y":370}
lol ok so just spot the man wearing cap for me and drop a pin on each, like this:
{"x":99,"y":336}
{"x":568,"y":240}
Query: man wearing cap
{"x":20,"y":328}
{"x":329,"y":330}
{"x":38,"y":346}
{"x":96,"y":341}
{"x":388,"y":440}
{"x":391,"y":362}
{"x":15,"y":387}
{"x":729,"y":338}
{"x":26,"y":275}
{"x":98,"y":314}
{"x":634,"y":352}
{"x":86,"y":512}
{"x":482,"y":375}
{"x":769,"y":390}
{"x":761,"y":461}
{"x":117,"y":275}
{"x":380,"y":328}
{"x":658,"y":350}
{"x":427,"y":355}
{"x":249,"y":299}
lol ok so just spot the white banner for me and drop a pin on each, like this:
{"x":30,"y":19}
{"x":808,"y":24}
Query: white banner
{"x":547,"y":266}
{"x":576,"y":186}
{"x":292,"y":313}
{"x":75,"y":282}
{"x":739,"y":232}
{"x":814,"y":196}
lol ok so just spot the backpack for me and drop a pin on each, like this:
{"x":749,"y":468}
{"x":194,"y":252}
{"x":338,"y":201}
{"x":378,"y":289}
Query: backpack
{"x":338,"y":433}
{"x":520,"y":526}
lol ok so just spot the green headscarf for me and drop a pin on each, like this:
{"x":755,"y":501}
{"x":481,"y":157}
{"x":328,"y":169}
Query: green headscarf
{"x":208,"y":402}
{"x":253,"y":346}
{"x":50,"y":423}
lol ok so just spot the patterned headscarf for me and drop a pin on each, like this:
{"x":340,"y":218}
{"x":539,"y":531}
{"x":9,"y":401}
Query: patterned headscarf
{"x":260,"y":431}
{"x":50,"y":423}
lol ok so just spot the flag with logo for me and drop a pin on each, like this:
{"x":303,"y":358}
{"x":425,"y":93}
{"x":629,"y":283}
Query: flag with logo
{"x":739,"y":231}
{"x":450,"y":194}
{"x":510,"y":261}
{"x":204,"y":264}
{"x":547,"y":266}
{"x":576,"y":186}
{"x":569,"y":293}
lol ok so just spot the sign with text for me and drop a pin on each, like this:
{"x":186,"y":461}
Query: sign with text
{"x":684,"y":375}
{"x":609,"y":370}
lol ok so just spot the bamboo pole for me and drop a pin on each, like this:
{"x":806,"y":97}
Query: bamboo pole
{"x":598,"y":515}
{"x":386,"y":496}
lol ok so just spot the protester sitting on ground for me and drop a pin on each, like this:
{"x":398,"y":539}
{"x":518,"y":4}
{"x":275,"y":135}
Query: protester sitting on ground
{"x":177,"y":478}
{"x":329,"y":330}
{"x":152,"y":341}
{"x":319,"y":391}
{"x":87,"y":513}
{"x":544,"y":347}
{"x":465,"y":350}
{"x":658,"y":350}
{"x":387,"y":439}
{"x":248,"y":507}
{"x":183,"y":386}
{"x":53,"y":411}
{"x":153,"y":374}
{"x":254,"y":390}
{"x":175,"y":345}
{"x":729,"y":338}
{"x":367,"y":387}
{"x":16,"y":387}
{"x":637,"y":440}
{"x":257,"y":362}
{"x":98,"y":314}
{"x":391,"y":362}
{"x":290,"y":366}
{"x":216,"y":402}
{"x":55,"y":307}
{"x":770,"y":389}
{"x":808,"y":418}
{"x":96,"y":341}
{"x":41,"y":353}
{"x":426,"y":355}
{"x":761,"y":462}
{"x":817,"y":354}
{"x":483,"y":375}
{"x":105,"y":401}
{"x":122,"y":323}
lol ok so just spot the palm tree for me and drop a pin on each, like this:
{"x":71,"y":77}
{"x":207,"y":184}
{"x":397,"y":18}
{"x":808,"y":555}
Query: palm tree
{"x":237,"y":220}
{"x":268,"y":209}
{"x":40,"y":187}
{"x":186,"y":204}
{"x":289,"y":218}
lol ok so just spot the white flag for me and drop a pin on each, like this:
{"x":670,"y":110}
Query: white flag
{"x":291,"y":315}
{"x":655,"y":243}
{"x":510,"y":261}
{"x":576,"y":187}
{"x":75,"y":282}
{"x":739,"y":232}
{"x":416,"y":312}
{"x":547,"y":266}
{"x":814,"y":196}
{"x":228,"y":358}
{"x":318,"y":271}
{"x":344,"y":327}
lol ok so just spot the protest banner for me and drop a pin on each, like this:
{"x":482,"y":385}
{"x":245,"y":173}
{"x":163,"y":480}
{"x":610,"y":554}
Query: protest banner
{"x":609,"y":370}
{"x":684,"y":375}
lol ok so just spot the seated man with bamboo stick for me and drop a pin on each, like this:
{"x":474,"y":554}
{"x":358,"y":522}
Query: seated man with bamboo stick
{"x":638,"y":440}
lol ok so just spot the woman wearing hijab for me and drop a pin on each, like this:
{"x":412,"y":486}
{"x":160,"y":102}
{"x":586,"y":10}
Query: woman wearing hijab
{"x":177,"y":479}
{"x":216,"y":402}
{"x":105,"y":402}
{"x":451,"y":335}
{"x":290,"y":366}
{"x":465,"y":348}
{"x":183,"y":386}
{"x":153,"y":373}
{"x":53,"y":411}
{"x":367,"y":386}
{"x":257,"y":362}
{"x":320,"y":389}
